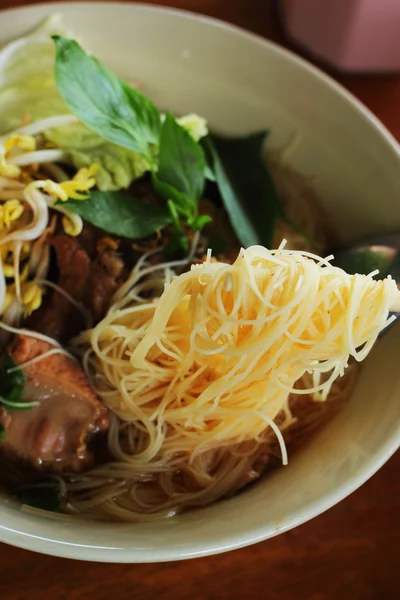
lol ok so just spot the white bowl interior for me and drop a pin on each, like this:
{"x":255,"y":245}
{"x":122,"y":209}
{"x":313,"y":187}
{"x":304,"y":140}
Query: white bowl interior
{"x":241,"y":83}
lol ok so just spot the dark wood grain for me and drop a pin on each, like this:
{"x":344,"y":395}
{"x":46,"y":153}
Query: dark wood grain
{"x":349,"y":553}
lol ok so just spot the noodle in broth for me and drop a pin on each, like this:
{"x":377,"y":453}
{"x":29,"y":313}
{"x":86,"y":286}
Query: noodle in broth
{"x":163,"y":462}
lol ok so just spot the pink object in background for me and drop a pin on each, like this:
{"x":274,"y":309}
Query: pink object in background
{"x":352,"y":35}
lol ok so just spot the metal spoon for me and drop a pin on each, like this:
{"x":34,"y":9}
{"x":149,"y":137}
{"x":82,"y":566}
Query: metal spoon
{"x":379,"y":252}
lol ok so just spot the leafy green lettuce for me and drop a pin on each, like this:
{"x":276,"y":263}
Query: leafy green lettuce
{"x":118,"y":167}
{"x":27,"y":83}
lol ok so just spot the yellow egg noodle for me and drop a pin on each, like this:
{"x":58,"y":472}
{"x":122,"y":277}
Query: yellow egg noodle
{"x":197,"y":377}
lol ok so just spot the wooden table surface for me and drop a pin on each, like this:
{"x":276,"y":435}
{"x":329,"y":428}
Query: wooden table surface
{"x":352,"y":552}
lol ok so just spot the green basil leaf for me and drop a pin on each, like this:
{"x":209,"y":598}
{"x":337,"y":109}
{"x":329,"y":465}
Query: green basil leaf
{"x":102,"y":101}
{"x":46,"y":497}
{"x":246,"y":187}
{"x":12,"y":385}
{"x":120,"y":214}
{"x":169,"y":192}
{"x":181,"y":162}
{"x":209,"y":173}
{"x":208,"y":150}
{"x":199,"y":222}
{"x":364,"y":261}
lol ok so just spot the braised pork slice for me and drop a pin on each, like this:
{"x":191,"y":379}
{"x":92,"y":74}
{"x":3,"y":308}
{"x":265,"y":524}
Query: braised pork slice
{"x":55,"y":434}
{"x":58,"y":317}
{"x":106,"y":275}
{"x":89,"y":273}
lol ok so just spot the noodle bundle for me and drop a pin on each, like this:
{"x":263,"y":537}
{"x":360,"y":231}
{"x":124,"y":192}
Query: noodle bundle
{"x":199,"y":376}
{"x":218,"y":354}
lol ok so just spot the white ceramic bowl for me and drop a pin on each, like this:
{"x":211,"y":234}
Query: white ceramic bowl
{"x":240,"y":83}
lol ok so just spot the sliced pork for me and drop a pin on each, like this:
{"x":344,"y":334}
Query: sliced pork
{"x":90,"y":274}
{"x":55,"y":434}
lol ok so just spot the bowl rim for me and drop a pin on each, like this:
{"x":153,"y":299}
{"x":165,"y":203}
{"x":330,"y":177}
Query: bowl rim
{"x":59,"y":548}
